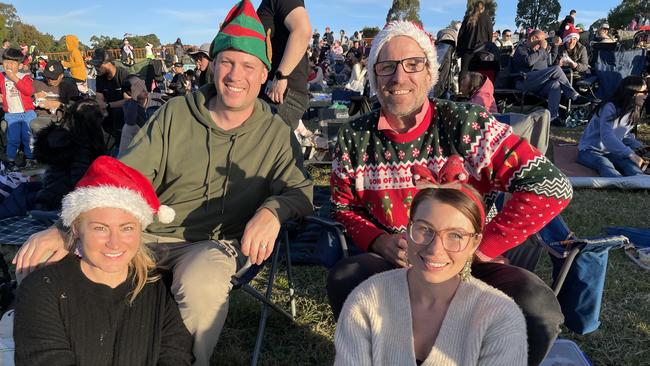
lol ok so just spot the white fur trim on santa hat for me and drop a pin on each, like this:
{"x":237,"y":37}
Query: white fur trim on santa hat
{"x":569,"y":36}
{"x":402,"y":28}
{"x":87,"y":198}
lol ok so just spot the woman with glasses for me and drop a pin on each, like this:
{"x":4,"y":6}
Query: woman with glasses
{"x":433,"y":312}
{"x":608,"y":145}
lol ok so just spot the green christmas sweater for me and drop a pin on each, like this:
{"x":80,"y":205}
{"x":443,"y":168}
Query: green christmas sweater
{"x":372,"y":186}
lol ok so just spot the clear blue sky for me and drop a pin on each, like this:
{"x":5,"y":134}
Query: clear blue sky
{"x":196,"y":22}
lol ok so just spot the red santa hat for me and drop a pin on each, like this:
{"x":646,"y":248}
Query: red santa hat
{"x":110,"y":183}
{"x":570,"y":31}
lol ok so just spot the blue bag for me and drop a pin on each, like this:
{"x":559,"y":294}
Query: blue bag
{"x":639,"y":237}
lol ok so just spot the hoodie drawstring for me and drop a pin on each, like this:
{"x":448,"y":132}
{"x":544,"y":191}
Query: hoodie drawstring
{"x":231,"y":156}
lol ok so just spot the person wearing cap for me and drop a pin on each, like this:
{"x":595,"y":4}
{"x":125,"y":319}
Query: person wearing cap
{"x":76,"y":63}
{"x":603,"y":34}
{"x":50,"y":94}
{"x":372,"y":172}
{"x":541,"y":77}
{"x":572,"y":54}
{"x":203,"y":64}
{"x":109,"y":82}
{"x":102,"y":304}
{"x":16,"y":89}
{"x":287,"y":23}
{"x":227,"y":166}
{"x":434,"y":312}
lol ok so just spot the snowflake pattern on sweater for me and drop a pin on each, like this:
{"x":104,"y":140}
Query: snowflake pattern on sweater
{"x":372,"y":185}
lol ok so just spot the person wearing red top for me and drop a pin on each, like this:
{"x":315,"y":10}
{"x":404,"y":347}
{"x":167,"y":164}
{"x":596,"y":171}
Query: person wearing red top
{"x":378,"y":155}
{"x":17,"y":104}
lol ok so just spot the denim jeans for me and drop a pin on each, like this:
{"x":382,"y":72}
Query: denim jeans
{"x":18,"y":132}
{"x":549,"y":83}
{"x":608,"y":165}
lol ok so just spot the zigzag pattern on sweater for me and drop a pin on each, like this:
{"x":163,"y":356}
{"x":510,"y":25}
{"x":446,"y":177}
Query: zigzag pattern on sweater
{"x":556,"y":187}
{"x":485,"y":145}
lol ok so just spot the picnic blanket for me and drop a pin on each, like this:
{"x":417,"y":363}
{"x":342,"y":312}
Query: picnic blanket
{"x":565,"y":156}
{"x":16,"y":230}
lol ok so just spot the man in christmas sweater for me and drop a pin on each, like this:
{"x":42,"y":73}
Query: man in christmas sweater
{"x":372,"y":179}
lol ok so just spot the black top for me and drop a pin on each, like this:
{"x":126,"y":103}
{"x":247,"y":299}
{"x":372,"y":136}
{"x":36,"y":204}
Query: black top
{"x":471,"y":37}
{"x":112,"y":88}
{"x":66,"y":90}
{"x":63,"y":318}
{"x":272,"y":13}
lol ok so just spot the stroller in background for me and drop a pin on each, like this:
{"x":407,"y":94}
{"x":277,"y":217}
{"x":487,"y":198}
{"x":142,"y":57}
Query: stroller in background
{"x":448,"y":64}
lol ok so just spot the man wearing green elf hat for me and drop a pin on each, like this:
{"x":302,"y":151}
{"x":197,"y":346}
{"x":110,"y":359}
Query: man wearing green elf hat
{"x":227,"y":167}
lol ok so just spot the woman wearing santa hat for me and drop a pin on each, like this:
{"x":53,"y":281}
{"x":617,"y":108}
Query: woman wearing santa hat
{"x":102,"y":304}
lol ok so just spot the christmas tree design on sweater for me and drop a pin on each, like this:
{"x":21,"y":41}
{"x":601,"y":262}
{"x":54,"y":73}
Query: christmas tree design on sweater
{"x":372,"y":186}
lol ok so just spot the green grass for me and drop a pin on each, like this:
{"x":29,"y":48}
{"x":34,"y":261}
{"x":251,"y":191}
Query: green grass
{"x":623,"y":338}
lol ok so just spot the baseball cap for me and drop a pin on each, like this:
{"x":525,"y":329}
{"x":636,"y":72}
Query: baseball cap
{"x":100,"y":56}
{"x":205,"y":49}
{"x":605,"y":25}
{"x":53,"y":69}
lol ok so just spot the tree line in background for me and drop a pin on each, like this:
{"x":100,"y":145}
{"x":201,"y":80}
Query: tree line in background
{"x":13,"y":29}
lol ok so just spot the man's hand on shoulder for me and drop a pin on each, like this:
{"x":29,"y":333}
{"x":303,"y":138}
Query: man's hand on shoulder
{"x":45,"y":246}
{"x":393,"y":248}
{"x":259,"y":236}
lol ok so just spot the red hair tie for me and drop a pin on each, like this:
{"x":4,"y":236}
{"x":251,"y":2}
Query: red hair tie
{"x":452,"y":175}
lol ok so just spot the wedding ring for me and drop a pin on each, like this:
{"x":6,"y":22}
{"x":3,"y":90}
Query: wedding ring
{"x":263,"y":246}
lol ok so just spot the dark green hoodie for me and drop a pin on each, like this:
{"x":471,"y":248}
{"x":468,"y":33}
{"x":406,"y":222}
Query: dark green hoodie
{"x":214,"y":179}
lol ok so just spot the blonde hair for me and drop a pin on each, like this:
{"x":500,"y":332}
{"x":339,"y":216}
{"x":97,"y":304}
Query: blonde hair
{"x":140,"y":268}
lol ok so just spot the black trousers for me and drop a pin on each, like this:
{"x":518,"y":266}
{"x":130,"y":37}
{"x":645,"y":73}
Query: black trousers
{"x":536,"y":300}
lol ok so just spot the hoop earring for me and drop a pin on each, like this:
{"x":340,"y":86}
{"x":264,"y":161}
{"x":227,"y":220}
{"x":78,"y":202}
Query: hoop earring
{"x":466,"y":272}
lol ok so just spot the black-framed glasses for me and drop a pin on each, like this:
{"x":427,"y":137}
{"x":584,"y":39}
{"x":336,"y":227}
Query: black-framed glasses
{"x":410,"y":65}
{"x":453,"y":240}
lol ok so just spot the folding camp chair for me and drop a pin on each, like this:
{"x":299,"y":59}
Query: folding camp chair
{"x":579,"y":269}
{"x":241,"y":281}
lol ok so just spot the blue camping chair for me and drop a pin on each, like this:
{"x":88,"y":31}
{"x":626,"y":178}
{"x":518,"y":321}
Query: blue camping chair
{"x":579,"y":269}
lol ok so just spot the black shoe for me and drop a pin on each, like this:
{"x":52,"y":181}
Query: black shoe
{"x":10,"y":165}
{"x":581,"y":100}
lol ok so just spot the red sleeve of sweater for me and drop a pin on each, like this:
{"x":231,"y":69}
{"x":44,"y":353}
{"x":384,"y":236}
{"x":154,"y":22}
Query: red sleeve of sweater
{"x":349,"y":209}
{"x":504,"y":161}
{"x":540,"y":191}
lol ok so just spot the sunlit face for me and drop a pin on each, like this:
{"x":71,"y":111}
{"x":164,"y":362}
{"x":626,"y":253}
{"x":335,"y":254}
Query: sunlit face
{"x":11,"y":65}
{"x":238,"y":77}
{"x":109,"y":239}
{"x":402,"y":94}
{"x":433,"y":263}
{"x":571,"y":43}
{"x":103,"y":69}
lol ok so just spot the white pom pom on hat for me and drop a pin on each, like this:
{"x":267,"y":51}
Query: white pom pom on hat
{"x":110,"y":183}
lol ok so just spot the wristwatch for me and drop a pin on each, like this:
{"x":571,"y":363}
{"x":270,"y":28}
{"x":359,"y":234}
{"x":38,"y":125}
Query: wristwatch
{"x":280,"y":76}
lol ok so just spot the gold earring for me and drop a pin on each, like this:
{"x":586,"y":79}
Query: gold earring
{"x":466,"y":272}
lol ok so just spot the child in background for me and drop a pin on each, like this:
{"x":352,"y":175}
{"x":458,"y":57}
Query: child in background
{"x":17,"y":104}
{"x":479,"y":89}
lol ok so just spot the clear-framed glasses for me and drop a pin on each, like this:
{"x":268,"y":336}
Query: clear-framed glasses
{"x":410,"y":65}
{"x":453,"y":240}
